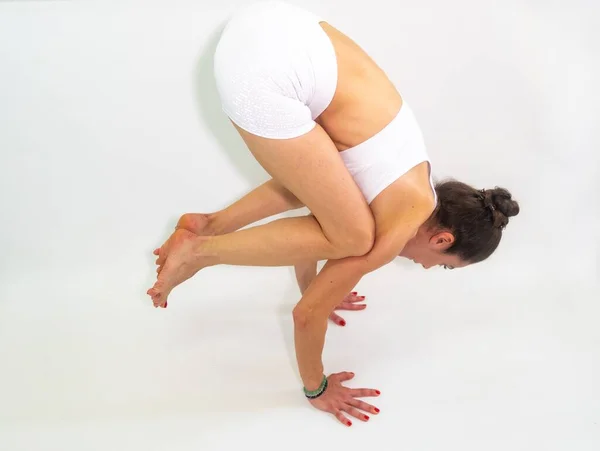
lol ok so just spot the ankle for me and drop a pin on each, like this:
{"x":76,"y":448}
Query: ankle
{"x":212,"y":224}
{"x":219,"y":223}
{"x":205,"y":251}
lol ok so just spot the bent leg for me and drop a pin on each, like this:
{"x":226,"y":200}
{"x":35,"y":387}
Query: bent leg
{"x":269,"y":199}
{"x":310,"y":167}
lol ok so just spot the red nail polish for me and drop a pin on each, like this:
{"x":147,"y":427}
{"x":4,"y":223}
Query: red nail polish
{"x":378,"y":392}
{"x":366,"y":417}
{"x":349,"y":423}
{"x":376,"y":409}
{"x":354,"y":292}
{"x":342,"y":323}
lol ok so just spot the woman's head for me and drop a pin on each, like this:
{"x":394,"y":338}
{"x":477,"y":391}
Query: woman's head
{"x":465,"y":228}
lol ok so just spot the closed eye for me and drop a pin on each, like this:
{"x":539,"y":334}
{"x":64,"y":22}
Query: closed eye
{"x":448,"y":267}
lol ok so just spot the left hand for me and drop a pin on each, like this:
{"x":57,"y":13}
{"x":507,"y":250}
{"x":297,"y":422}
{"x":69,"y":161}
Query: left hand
{"x":339,"y":400}
{"x":350,"y":302}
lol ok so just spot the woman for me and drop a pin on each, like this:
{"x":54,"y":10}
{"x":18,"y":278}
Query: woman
{"x":336,"y":136}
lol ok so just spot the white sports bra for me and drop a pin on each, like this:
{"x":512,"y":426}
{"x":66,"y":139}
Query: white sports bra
{"x":383,"y":158}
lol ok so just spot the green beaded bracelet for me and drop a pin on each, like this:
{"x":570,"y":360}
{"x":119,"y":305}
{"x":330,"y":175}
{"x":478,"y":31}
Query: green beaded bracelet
{"x":312,"y":394}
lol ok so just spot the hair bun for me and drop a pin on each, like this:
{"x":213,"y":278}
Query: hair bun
{"x":499,"y":201}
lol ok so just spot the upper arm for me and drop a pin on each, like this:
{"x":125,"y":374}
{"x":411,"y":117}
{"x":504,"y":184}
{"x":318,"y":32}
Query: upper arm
{"x":390,"y":238}
{"x":335,"y":280}
{"x":399,"y":211}
{"x":394,"y":228}
{"x":339,"y":277}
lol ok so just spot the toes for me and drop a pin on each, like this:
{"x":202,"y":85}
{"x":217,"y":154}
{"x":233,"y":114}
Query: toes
{"x":161,"y":258}
{"x":159,"y":292}
{"x":161,"y":254}
{"x":158,"y":298}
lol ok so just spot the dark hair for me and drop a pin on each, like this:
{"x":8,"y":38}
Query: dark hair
{"x":475,"y":217}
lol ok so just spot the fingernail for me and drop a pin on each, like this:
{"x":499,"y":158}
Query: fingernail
{"x":342,"y":323}
{"x":376,"y":409}
{"x":354,"y":292}
{"x":366,"y":417}
{"x":349,"y":423}
{"x":378,"y":392}
{"x":362,"y":297}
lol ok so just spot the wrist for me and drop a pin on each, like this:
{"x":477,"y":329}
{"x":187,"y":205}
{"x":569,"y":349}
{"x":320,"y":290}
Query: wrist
{"x":313,"y":383}
{"x":313,"y":393}
{"x":314,"y":378}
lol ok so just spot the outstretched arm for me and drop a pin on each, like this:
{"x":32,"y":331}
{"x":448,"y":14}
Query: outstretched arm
{"x":328,"y":288}
{"x":335,"y":280}
{"x":332,"y":283}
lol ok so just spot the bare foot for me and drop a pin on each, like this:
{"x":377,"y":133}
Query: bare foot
{"x":182,"y":262}
{"x":197,"y":223}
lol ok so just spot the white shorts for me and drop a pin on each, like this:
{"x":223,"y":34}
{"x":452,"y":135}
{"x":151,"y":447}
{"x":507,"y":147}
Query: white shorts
{"x":275,"y":70}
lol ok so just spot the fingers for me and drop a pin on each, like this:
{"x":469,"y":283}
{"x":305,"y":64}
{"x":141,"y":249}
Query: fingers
{"x":364,"y":406}
{"x":350,"y":300}
{"x":363,"y":392}
{"x":340,"y":416}
{"x":353,"y":297}
{"x":343,"y":376}
{"x":337,"y":319}
{"x":355,"y":412}
{"x":351,"y":306}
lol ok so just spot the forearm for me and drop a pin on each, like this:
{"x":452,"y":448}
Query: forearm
{"x":336,"y":280}
{"x":323,"y":294}
{"x":269,"y":199}
{"x":309,"y":339}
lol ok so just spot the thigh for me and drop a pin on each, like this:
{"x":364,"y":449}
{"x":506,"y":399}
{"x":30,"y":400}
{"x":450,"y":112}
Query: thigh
{"x":310,"y":167}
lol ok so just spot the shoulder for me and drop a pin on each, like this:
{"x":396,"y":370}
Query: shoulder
{"x":399,"y":212}
{"x":406,"y":203}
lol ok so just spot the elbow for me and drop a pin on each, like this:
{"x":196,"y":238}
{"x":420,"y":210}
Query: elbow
{"x":303,"y":318}
{"x":300,"y":317}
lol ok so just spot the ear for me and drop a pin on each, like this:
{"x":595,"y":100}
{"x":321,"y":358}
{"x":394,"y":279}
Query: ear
{"x":442,"y":240}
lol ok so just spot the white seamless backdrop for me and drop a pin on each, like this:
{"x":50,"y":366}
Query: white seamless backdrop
{"x":110,"y":128}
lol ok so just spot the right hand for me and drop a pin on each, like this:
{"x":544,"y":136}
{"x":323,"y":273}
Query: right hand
{"x":350,"y":302}
{"x":338,"y":399}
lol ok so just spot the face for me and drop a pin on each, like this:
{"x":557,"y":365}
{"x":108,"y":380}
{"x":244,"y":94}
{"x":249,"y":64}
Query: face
{"x":427,"y":248}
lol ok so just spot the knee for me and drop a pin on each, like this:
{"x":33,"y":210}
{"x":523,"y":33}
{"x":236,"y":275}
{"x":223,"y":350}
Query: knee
{"x":362,"y":241}
{"x":356,"y":240}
